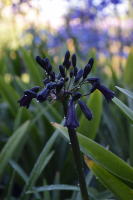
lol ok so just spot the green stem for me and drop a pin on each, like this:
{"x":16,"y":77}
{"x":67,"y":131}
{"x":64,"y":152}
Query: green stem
{"x":77,"y":157}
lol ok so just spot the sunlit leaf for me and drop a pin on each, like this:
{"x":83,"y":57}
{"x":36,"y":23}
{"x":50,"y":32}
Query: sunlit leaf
{"x":119,"y":189}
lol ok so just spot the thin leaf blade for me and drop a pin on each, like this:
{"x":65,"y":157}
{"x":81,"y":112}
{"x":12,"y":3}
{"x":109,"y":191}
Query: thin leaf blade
{"x":11,"y":146}
{"x":124,"y":109}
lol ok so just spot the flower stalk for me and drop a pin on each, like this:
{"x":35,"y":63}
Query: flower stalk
{"x":77,"y":156}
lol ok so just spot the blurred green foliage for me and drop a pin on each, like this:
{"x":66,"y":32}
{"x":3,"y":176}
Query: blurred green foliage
{"x":32,"y":151}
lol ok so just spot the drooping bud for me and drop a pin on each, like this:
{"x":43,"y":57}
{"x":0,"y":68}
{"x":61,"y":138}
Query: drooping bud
{"x":25,"y":99}
{"x":79,"y":75}
{"x":76,"y":96}
{"x":87,"y":70}
{"x":62,"y":71}
{"x":91,"y":61}
{"x":71,"y":118}
{"x":74,"y":60}
{"x":109,"y":95}
{"x":52,"y":75}
{"x":75,"y":71}
{"x":71,"y":74}
{"x":87,"y":112}
{"x":51,"y":85}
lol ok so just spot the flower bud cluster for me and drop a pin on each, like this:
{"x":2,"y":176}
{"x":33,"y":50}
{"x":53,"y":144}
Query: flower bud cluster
{"x":63,"y":88}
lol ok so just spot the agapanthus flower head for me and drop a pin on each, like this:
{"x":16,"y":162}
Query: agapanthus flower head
{"x":64,"y":89}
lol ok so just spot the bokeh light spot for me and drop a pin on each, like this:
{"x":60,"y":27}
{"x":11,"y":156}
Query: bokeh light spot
{"x":25,"y":78}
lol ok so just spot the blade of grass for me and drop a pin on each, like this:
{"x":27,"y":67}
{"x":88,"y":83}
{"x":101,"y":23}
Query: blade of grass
{"x":10,"y":95}
{"x":19,"y":170}
{"x":125,"y":110}
{"x":128,"y":93}
{"x":46,"y":193}
{"x":10,"y":186}
{"x":31,"y":65}
{"x":53,"y":187}
{"x":38,"y":165}
{"x":11,"y":146}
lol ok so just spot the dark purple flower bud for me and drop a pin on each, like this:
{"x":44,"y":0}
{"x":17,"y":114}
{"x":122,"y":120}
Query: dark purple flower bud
{"x":91,"y":61}
{"x":68,"y":64}
{"x":74,"y":60}
{"x":59,"y":86}
{"x":71,"y":118}
{"x":52,"y":75}
{"x":79,"y":75}
{"x":26,"y":100}
{"x":62,"y":71}
{"x":42,"y":96}
{"x":71,"y":74}
{"x":109,"y":95}
{"x":75,"y":71}
{"x":66,"y":79}
{"x":76,"y":96}
{"x":51,"y":85}
{"x":67,"y":56}
{"x":94,"y":86}
{"x":59,"y":76}
{"x":49,"y":69}
{"x":30,"y":93}
{"x":45,"y":81}
{"x":87,"y":112}
{"x":87,"y":70}
{"x":93,"y":80}
{"x":41,"y":62}
{"x":46,"y":61}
